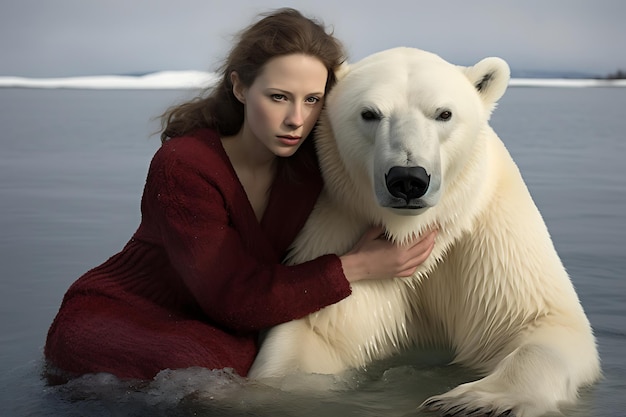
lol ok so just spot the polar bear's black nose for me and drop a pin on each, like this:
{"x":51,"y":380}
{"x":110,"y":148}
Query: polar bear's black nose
{"x":407,"y":182}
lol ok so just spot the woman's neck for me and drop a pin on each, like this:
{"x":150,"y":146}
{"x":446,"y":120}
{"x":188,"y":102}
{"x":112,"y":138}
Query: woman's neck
{"x":255,"y":167}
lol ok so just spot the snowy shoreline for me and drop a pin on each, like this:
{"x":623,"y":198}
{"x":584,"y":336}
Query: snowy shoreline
{"x":199,"y":79}
{"x":153,"y":81}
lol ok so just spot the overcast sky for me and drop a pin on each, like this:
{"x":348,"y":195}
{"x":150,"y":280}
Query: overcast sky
{"x":51,"y":38}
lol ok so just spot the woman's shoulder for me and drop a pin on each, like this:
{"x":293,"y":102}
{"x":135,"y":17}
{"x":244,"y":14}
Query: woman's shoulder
{"x":199,"y":149}
{"x":191,"y":165}
{"x":205,"y":142}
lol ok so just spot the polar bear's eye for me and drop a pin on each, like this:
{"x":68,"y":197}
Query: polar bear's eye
{"x":444,"y":116}
{"x":370,"y":115}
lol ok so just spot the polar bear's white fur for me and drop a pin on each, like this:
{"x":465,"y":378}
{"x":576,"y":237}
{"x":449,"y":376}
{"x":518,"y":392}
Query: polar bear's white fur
{"x":405,"y":142}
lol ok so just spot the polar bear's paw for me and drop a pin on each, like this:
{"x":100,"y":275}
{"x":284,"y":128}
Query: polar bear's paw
{"x":460,"y":408}
{"x":468,"y":400}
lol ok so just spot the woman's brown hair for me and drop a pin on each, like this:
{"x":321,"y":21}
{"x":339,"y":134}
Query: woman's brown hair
{"x":285,"y":31}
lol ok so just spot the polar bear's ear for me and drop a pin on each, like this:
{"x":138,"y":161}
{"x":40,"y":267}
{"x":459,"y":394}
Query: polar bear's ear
{"x":491,"y":78}
{"x":342,"y":70}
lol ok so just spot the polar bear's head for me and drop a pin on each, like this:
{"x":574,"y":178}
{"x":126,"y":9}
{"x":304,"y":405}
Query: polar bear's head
{"x":401,"y":125}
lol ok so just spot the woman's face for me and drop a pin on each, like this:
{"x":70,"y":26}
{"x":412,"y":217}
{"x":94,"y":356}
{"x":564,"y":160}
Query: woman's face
{"x":283,"y":103}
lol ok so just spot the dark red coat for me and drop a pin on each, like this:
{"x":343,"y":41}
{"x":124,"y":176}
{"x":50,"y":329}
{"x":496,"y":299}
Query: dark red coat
{"x":201,"y":276}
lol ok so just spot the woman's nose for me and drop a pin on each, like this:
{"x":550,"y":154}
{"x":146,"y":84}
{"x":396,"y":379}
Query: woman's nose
{"x":295,"y":117}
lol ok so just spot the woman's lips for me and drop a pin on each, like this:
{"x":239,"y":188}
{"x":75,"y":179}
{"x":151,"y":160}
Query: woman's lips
{"x":289,"y":140}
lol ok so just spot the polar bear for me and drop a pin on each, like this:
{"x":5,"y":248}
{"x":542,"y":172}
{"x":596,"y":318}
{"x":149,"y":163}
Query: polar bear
{"x":405,"y":142}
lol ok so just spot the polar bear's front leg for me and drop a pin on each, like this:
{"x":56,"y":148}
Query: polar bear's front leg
{"x":296,"y":346}
{"x":293,"y":347}
{"x":543,"y":373}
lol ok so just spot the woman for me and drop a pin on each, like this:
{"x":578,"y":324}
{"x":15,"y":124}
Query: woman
{"x":226,"y":194}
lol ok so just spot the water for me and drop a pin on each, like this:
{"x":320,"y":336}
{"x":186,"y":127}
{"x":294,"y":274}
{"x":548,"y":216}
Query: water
{"x":72,"y":168}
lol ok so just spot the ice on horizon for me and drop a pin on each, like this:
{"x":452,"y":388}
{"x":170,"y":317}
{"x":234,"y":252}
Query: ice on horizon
{"x":156,"y":80}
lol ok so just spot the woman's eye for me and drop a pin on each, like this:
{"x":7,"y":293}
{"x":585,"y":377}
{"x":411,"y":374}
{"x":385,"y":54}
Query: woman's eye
{"x":278,"y":97}
{"x":312,"y":100}
{"x":444,"y":116}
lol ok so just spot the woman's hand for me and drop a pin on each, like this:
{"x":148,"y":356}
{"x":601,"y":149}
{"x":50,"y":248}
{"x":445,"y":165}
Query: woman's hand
{"x":375,"y":257}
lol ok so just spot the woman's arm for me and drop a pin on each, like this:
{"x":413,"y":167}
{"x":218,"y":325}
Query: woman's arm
{"x":231,"y":285}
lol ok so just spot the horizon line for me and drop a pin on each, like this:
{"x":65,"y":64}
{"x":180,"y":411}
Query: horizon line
{"x":194,"y":79}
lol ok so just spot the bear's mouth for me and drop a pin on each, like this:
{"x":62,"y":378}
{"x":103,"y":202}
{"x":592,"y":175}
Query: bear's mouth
{"x":409,"y":207}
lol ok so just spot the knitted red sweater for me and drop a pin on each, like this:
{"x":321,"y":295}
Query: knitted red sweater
{"x":201,"y":276}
